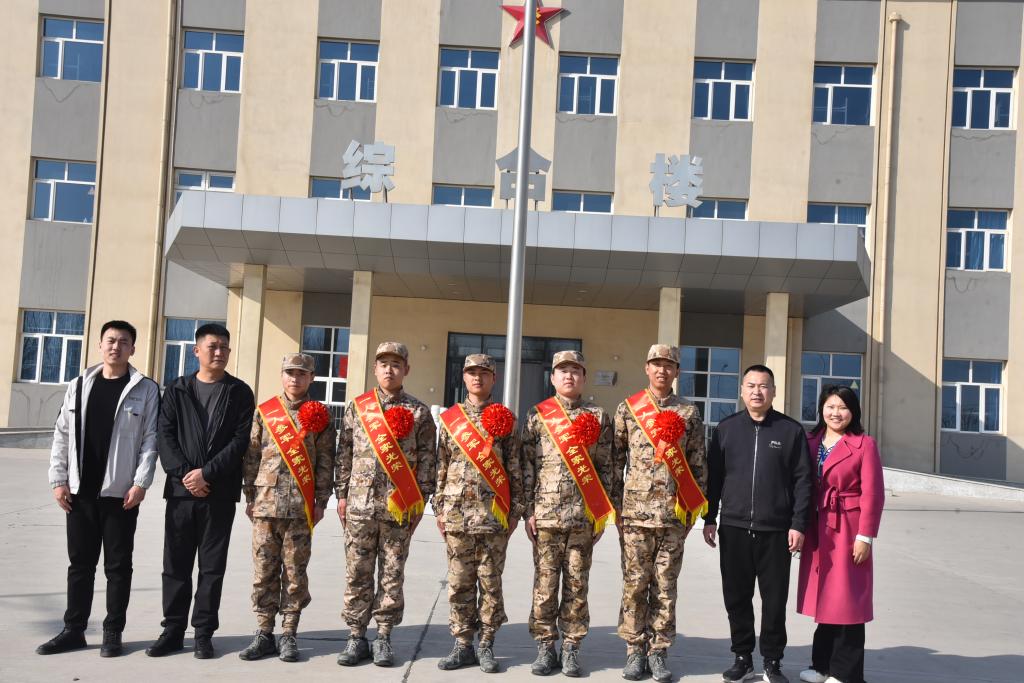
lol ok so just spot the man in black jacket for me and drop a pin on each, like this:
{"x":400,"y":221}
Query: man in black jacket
{"x":203,"y":432}
{"x":760,"y":472}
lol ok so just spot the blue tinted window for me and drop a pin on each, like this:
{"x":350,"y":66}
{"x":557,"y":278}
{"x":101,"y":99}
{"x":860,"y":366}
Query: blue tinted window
{"x":347,"y":81}
{"x":607,"y":96}
{"x":741,"y":107}
{"x":172,"y":357}
{"x":956,"y":370}
{"x":949,"y":408}
{"x":724,"y":360}
{"x":828,"y":74}
{"x":369,"y":82}
{"x":487,"y":90}
{"x":815,"y":363}
{"x":959,"y":218}
{"x":357,"y":193}
{"x":1002,"y":117}
{"x":959,"y":109}
{"x":732,"y":210}
{"x":597,"y":203}
{"x":50,"y":62}
{"x":179,"y":330}
{"x":572,"y":64}
{"x":477,"y":196}
{"x":29,"y":357}
{"x":820,"y":105}
{"x":90,"y":30}
{"x":325,"y":187}
{"x":604,"y":66}
{"x":330,"y":49}
{"x":704,"y":69}
{"x":211,"y":71}
{"x":229,"y":42}
{"x":565,"y":94}
{"x":720,"y":95}
{"x":987,"y":372}
{"x":444,"y":194}
{"x":974,"y":252}
{"x":50,"y":371}
{"x":83,"y":61}
{"x":980,"y":102}
{"x":82,"y":172}
{"x":341,"y":339}
{"x":851,"y":106}
{"x":846,"y":365}
{"x":190,"y":78}
{"x":326,"y":80}
{"x":450,"y":57}
{"x":222,"y":182}
{"x":739,"y":71}
{"x":73,"y":203}
{"x":852,"y":215}
{"x":996,"y":244}
{"x":587,"y":95}
{"x":70,"y":323}
{"x":365,"y":52}
{"x":998,"y":78}
{"x":467,"y":89}
{"x":233,"y":74}
{"x":198,"y":40}
{"x":858,"y":75}
{"x":966,"y":78}
{"x":821,"y":213}
{"x":484,"y":59}
{"x":50,"y":169}
{"x":447,"y":96}
{"x":37,"y":321}
{"x":565,"y":201}
{"x":970,"y":408}
{"x":991,"y":418}
{"x":700,"y":100}
{"x":992,"y":219}
{"x":705,"y":210}
{"x":724,"y":386}
{"x":41,"y":201}
{"x":58,"y":28}
{"x":953,"y":245}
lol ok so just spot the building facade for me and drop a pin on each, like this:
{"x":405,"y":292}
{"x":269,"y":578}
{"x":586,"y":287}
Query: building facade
{"x":177,"y":161}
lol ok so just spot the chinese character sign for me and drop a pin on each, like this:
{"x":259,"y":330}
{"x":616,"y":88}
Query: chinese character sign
{"x":536,"y":180}
{"x":368,"y":166}
{"x":677,"y":180}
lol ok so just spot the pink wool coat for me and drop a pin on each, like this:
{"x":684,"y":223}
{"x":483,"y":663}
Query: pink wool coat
{"x":849,"y":500}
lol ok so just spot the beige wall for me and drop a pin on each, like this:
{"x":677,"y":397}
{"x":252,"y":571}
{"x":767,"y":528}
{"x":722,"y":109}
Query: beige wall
{"x":17,"y":83}
{"x":282,"y":333}
{"x":275,"y":125}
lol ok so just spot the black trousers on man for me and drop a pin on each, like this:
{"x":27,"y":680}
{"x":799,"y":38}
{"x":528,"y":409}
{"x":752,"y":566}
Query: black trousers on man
{"x":95,"y":523}
{"x":746,"y":556}
{"x":195,"y":526}
{"x":838,"y":650}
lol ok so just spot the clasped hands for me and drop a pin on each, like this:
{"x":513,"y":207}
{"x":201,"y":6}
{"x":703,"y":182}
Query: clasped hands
{"x":196,"y":483}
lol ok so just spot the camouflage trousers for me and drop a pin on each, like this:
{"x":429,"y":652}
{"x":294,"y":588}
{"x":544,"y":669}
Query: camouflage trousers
{"x":651,"y":561}
{"x":384,"y":546}
{"x":475,"y":560}
{"x":280,"y":555}
{"x":566,"y":555}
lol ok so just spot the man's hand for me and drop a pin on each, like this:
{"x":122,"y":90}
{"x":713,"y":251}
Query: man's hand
{"x":318,"y":514}
{"x":248,"y":510}
{"x":440,"y":527}
{"x":62,"y":494}
{"x":796,"y":541}
{"x":342,"y":505}
{"x":598,"y":535}
{"x":531,"y":528}
{"x":414,"y":521}
{"x":134,"y":497}
{"x":861,"y":551}
{"x":512,"y":526}
{"x":709,"y":534}
{"x":196,"y":483}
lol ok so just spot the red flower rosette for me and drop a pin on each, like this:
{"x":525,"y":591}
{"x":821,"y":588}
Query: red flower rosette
{"x":498,"y":420}
{"x":400,"y":420}
{"x":313,"y":418}
{"x":586,"y":428}
{"x":669,"y":428}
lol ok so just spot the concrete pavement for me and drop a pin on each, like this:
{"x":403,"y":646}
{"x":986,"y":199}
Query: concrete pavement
{"x":949,"y":601}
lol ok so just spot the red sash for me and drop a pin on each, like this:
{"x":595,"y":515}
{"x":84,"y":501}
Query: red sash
{"x":577,"y":458}
{"x":689,"y":498}
{"x":406,"y":500}
{"x":478,"y":449}
{"x":282,"y":430}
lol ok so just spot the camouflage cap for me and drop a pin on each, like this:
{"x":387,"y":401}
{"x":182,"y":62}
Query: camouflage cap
{"x":298,"y":361}
{"x":663,"y":351}
{"x":563,"y":357}
{"x":392,"y":348}
{"x":479,"y":360}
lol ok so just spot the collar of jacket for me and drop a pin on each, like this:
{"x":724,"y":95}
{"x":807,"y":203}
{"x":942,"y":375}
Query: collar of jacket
{"x":769,"y":417}
{"x":475,"y":409}
{"x":669,"y":400}
{"x":290,"y":404}
{"x":570,"y":403}
{"x":386,"y":400}
{"x":853,"y":441}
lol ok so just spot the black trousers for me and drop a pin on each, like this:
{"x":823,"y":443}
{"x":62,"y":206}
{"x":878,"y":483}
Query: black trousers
{"x":761,"y":556}
{"x":838,"y":650}
{"x":191,"y":527}
{"x":94,"y":523}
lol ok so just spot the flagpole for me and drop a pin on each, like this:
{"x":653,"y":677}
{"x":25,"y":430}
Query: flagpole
{"x":514,"y":331}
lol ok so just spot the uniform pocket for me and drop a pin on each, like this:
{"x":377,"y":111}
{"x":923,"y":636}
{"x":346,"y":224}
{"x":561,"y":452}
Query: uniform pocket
{"x":639,"y":479}
{"x":267,"y":476}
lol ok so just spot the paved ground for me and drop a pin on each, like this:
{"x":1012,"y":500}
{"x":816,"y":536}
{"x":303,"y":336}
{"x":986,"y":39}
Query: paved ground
{"x":949,"y":601}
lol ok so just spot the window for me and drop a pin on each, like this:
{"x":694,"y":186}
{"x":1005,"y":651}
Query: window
{"x":468,"y":78}
{"x":839,"y":214}
{"x":710,"y":379}
{"x":982,"y":98}
{"x":63,"y":191}
{"x":976,"y":240}
{"x":818,"y":370}
{"x":210,"y":181}
{"x":721,"y":90}
{"x":179,"y":338}
{"x":734,"y":209}
{"x":456,"y":195}
{"x":329,"y":348}
{"x":842,"y":94}
{"x":72,"y":50}
{"x":330,"y":188}
{"x":971,"y":395}
{"x":586,"y":202}
{"x":348,"y":71}
{"x":213,"y":61}
{"x":51,"y":346}
{"x":586,"y":85}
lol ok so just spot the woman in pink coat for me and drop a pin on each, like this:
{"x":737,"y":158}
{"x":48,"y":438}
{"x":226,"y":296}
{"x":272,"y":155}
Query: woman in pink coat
{"x":836,"y":568}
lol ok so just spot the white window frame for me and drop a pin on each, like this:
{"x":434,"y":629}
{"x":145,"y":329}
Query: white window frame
{"x":819,"y":379}
{"x":60,"y":41}
{"x":716,"y":200}
{"x":344,"y":193}
{"x":223,"y":62}
{"x":39,"y":336}
{"x":988,"y":232}
{"x":601,"y":79}
{"x":360,"y":65}
{"x":835,"y":216}
{"x":708,"y":400}
{"x":52,"y":182}
{"x":982,"y":387}
{"x":185,"y":345}
{"x":732,"y":90}
{"x":991,"y":101}
{"x":843,"y":84}
{"x":458,"y":70}
{"x":583,"y":195}
{"x":462,"y":194}
{"x":333,"y":357}
{"x":204,"y":184}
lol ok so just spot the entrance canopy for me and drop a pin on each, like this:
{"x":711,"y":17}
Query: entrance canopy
{"x":572,"y":259}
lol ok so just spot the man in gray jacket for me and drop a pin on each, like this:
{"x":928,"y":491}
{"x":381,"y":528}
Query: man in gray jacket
{"x":101,"y":463}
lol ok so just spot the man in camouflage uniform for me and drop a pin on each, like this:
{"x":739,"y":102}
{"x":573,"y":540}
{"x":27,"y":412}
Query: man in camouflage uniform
{"x":652,"y":535}
{"x":556,"y":521}
{"x":281,"y":537}
{"x":474,"y":538}
{"x":371,"y":533}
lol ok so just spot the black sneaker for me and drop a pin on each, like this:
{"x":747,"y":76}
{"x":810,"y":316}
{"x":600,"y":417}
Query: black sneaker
{"x":773,"y":671}
{"x":571,"y":660}
{"x":65,"y":641}
{"x":356,"y":650}
{"x":460,"y":656}
{"x":203,"y":647}
{"x":288,"y":648}
{"x":262,"y":645}
{"x":636,"y":666}
{"x":656,"y":662}
{"x":383,"y":655}
{"x":111,"y":646}
{"x":168,"y":642}
{"x":741,"y":670}
{"x":547,"y":660}
{"x":485,"y":655}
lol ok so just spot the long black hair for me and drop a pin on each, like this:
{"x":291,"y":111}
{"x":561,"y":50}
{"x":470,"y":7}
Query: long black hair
{"x":847,"y":396}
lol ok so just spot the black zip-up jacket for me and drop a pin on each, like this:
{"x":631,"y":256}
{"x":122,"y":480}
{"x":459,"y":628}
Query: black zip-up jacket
{"x":760,"y":472}
{"x":184,"y":445}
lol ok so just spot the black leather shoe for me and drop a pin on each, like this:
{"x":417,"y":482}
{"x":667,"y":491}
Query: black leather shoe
{"x":65,"y":641}
{"x":168,"y":642}
{"x":203,"y":647}
{"x":111,"y":646}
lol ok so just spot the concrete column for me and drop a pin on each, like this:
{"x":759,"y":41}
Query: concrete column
{"x":359,"y":333}
{"x":776,"y":347}
{"x":795,"y":349}
{"x":670,"y":316}
{"x":249,"y":335}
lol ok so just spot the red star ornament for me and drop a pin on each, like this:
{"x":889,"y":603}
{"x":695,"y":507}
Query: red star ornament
{"x":544,"y":14}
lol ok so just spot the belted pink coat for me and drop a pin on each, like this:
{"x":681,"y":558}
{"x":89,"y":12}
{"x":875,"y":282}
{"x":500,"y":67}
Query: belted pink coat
{"x":849,"y":499}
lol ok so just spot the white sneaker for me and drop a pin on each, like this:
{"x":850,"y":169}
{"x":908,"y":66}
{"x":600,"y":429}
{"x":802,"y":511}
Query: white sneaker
{"x":832,"y":679}
{"x":812,"y":676}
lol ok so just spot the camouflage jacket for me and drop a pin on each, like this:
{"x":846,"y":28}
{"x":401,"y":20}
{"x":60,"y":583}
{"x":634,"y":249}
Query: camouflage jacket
{"x":551,"y":493}
{"x":649,"y":497}
{"x":269,"y":484}
{"x":463,"y":497}
{"x":361,"y":480}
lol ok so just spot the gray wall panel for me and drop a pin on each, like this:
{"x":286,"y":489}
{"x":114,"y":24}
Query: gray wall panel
{"x":981,"y":168}
{"x":988,"y":33}
{"x":710,"y":329}
{"x":972,"y":455}
{"x":725,"y":148}
{"x":847,"y":31}
{"x":206,"y":136}
{"x":584,"y":153}
{"x":190,"y":295}
{"x":227,"y":15}
{"x":464,"y":146}
{"x":727,"y":29}
{"x":335,"y":125}
{"x":353,"y":19}
{"x":843,"y":330}
{"x":471,"y":23}
{"x":842,"y":164}
{"x":976,"y":323}
{"x":591,"y":26}
{"x":35,"y":405}
{"x":332,"y":310}
{"x":85,"y":9}
{"x":66,"y":119}
{"x":55,"y":265}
